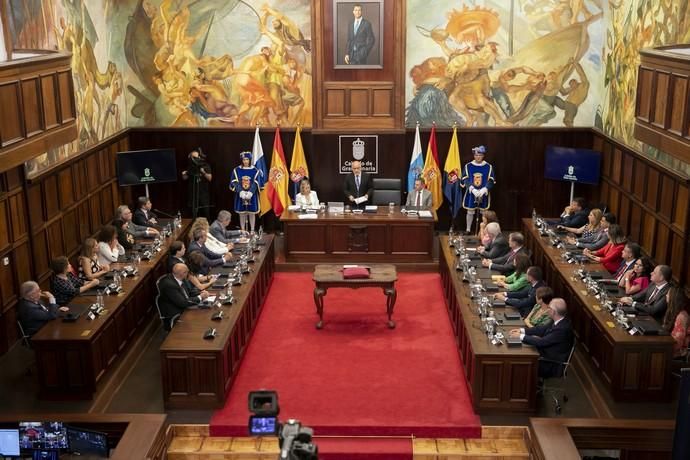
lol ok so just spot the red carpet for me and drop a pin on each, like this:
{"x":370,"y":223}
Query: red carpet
{"x":356,"y":377}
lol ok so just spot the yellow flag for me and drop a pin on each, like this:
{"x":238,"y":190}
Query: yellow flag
{"x":298,"y":165}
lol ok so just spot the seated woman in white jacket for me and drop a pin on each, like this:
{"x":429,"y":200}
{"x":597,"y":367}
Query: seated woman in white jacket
{"x":306,"y":197}
{"x":109,"y":249}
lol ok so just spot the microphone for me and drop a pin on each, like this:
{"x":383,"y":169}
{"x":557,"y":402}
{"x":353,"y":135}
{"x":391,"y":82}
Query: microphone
{"x":163,"y":213}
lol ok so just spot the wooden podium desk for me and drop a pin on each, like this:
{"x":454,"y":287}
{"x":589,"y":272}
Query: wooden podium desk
{"x":367,"y":237}
{"x":198,"y":373}
{"x":72,"y":358}
{"x":633,"y":368}
{"x":500,"y":379}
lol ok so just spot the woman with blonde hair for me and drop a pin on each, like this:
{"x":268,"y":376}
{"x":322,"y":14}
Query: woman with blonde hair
{"x":89,"y":268}
{"x":212,"y":243}
{"x":591,"y":227}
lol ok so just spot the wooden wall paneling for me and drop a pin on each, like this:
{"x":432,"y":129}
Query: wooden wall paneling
{"x":382,"y":103}
{"x":104,"y":165}
{"x":628,"y":162}
{"x":84,"y":220}
{"x":108,"y":202}
{"x":31,"y":100}
{"x":614,"y":200}
{"x":667,"y":197}
{"x":21,"y":258}
{"x":616,"y":165}
{"x":677,"y":258}
{"x":56,"y":244}
{"x":93,"y":176}
{"x":624,"y":212}
{"x":635,"y":225}
{"x":607,"y":152}
{"x":359,"y":102}
{"x":41,"y":256}
{"x":96,"y":219}
{"x":335,"y":102}
{"x":70,"y":231}
{"x":679,"y":107}
{"x":5,"y":235}
{"x":649,"y":233}
{"x":7,"y":284}
{"x":66,"y":187}
{"x":661,"y":243}
{"x":644,"y":92}
{"x":17,"y":215}
{"x":49,"y":98}
{"x":680,"y":215}
{"x":14,"y":177}
{"x":79,"y":178}
{"x":35,"y":205}
{"x":11,"y":124}
{"x":66,"y":90}
{"x":652,"y":187}
{"x":50,"y":196}
{"x":638,"y":184}
{"x":660,"y":93}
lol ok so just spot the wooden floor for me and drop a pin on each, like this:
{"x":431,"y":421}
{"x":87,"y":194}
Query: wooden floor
{"x":192,"y":442}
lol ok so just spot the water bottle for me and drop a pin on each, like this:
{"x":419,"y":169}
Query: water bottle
{"x":99,"y":299}
{"x":178,"y":220}
{"x":534,"y":215}
{"x":117,"y":279}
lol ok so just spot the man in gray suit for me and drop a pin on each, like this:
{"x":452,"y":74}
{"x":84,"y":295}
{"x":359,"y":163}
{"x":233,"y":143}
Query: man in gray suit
{"x":360,"y":38}
{"x":420,"y":197}
{"x":219,"y":228}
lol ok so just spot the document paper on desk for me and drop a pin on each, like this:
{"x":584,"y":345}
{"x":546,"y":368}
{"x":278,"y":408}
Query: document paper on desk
{"x":308,"y":216}
{"x":426,"y":214}
{"x":371,"y":208}
{"x":361,"y":199}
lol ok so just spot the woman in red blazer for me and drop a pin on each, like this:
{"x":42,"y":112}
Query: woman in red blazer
{"x":610,"y":256}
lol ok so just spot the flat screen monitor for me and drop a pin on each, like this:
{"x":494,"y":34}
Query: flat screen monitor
{"x":572,"y":165}
{"x":141,"y":167}
{"x":9,"y":442}
{"x":87,"y":442}
{"x":42,"y":436}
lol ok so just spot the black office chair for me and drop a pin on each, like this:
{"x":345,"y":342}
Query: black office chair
{"x":168,"y":323}
{"x":25,"y":338}
{"x":387,"y":191}
{"x":555,"y":386}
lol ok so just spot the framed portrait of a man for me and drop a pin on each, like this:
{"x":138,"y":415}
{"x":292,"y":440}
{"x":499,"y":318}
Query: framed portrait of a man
{"x":358,"y":34}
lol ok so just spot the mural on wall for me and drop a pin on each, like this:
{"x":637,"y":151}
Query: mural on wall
{"x":198,"y":63}
{"x":218,"y":63}
{"x":82,"y":28}
{"x":31,"y":24}
{"x":634,"y":25}
{"x":503,"y":63}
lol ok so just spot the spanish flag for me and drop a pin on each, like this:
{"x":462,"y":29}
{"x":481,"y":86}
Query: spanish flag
{"x":275,"y":193}
{"x":431,"y":172}
{"x":298,"y":165}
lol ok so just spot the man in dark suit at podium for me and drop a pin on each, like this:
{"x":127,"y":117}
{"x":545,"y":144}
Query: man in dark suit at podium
{"x":553,"y":341}
{"x":357,"y":185}
{"x":360,"y":38}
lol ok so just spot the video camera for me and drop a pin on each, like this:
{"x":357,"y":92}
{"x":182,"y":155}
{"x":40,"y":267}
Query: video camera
{"x":196,"y":163}
{"x":295,"y":440}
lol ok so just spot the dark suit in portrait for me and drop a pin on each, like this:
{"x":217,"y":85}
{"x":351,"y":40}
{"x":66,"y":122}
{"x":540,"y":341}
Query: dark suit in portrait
{"x":359,"y":43}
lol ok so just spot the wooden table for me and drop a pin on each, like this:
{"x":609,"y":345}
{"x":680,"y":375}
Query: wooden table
{"x":73,"y":358}
{"x":198,"y":373}
{"x":331,"y":276}
{"x":500,"y":379}
{"x":633,"y":368}
{"x":368,"y":237}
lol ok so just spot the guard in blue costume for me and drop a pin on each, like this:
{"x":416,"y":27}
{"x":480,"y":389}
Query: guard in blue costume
{"x":477,"y":179}
{"x":245,"y":183}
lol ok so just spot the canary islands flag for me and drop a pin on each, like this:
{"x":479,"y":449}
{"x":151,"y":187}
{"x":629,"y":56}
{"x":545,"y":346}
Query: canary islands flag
{"x":258,"y":159}
{"x":416,"y":162}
